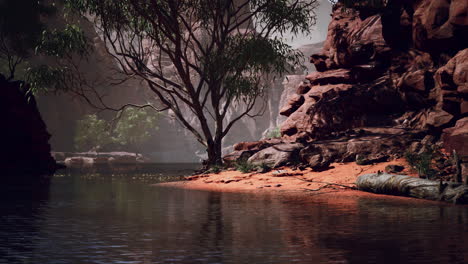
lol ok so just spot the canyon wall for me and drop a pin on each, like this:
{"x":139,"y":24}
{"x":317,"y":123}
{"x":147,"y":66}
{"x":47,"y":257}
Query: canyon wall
{"x":387,"y":81}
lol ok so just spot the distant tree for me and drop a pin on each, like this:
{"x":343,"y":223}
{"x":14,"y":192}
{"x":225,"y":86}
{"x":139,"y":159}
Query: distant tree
{"x":131,"y":128}
{"x":92,"y":133}
{"x":135,"y":127}
{"x":204,"y":56}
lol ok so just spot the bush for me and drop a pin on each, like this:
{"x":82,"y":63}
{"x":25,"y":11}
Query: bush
{"x":92,"y":132}
{"x":421,"y":163}
{"x":244,"y":166}
{"x":275,"y":133}
{"x":216,"y":169}
{"x":133,"y":128}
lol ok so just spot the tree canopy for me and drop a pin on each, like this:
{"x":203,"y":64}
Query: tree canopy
{"x":131,"y":128}
{"x":204,"y":57}
{"x":37,"y":43}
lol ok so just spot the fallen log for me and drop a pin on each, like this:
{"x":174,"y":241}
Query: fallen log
{"x":403,"y":185}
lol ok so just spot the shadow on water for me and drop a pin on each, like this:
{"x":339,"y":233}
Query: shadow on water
{"x":22,"y":200}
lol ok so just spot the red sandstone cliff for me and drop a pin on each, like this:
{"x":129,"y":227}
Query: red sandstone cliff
{"x":390,"y":77}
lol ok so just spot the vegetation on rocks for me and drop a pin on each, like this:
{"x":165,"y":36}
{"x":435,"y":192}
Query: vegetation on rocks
{"x":244,"y":166}
{"x":422,"y":163}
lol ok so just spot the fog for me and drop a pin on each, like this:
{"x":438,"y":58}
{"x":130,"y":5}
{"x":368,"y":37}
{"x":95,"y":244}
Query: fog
{"x":172,"y":143}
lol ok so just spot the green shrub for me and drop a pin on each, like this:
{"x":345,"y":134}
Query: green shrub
{"x":275,"y":133}
{"x":92,"y":132}
{"x":421,"y":163}
{"x":133,"y":128}
{"x":216,"y":169}
{"x":244,"y":166}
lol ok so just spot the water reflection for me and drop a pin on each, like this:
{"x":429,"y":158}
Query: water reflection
{"x":22,"y":201}
{"x":121,"y":219}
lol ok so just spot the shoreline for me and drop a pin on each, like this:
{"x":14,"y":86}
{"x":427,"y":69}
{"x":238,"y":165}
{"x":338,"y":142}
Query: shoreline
{"x":332,"y":183}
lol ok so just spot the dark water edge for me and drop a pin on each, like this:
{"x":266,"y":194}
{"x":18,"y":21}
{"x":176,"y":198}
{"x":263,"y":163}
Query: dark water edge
{"x":117,"y":217}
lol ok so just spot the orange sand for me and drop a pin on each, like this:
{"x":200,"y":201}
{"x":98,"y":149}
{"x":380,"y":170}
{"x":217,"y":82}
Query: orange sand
{"x":286,"y":180}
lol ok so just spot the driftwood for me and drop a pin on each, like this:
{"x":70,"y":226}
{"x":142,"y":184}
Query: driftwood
{"x":403,"y":185}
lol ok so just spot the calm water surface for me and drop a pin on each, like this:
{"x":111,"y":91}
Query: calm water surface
{"x":120,"y":218}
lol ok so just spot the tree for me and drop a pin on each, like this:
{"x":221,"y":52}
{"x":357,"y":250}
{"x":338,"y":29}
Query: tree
{"x":131,"y":128}
{"x":39,"y":46}
{"x":204,"y":56}
{"x":135,"y":127}
{"x":92,"y":132}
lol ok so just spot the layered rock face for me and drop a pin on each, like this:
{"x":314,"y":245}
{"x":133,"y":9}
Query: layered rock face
{"x":376,"y":67}
{"x":396,"y":74}
{"x":25,"y":147}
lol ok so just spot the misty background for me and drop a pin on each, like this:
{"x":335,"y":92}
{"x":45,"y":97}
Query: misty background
{"x":171,"y":142}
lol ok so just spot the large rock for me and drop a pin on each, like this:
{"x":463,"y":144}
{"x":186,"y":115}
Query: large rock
{"x":332,"y":108}
{"x":452,"y":84}
{"x":330,"y":77}
{"x":456,"y":138}
{"x":277,"y":155}
{"x":440,"y":25}
{"x":374,"y":145}
{"x":294,"y":102}
{"x":25,"y":140}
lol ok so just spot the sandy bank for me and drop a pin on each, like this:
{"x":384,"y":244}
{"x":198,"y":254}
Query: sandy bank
{"x":332,"y":182}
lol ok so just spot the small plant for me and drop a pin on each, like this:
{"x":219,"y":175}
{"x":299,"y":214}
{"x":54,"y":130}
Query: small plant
{"x":216,"y":169}
{"x":244,"y":166}
{"x":421,"y":163}
{"x":275,"y":133}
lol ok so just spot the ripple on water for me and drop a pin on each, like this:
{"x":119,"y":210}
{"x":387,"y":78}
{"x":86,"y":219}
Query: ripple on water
{"x":114,"y":220}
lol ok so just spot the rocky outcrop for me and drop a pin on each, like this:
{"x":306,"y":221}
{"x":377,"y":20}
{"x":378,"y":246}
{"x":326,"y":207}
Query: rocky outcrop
{"x":456,"y":138}
{"x":98,"y":159}
{"x":402,"y":70}
{"x":25,"y":140}
{"x":365,"y":78}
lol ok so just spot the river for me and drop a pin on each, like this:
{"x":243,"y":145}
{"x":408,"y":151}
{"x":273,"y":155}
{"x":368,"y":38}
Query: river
{"x":114,"y":217}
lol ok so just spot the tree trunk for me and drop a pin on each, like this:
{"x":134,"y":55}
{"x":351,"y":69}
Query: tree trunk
{"x":404,"y":185}
{"x":214,"y":151}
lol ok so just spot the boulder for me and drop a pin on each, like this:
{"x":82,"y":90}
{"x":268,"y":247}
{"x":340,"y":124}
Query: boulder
{"x":456,"y":138}
{"x":79,"y":162}
{"x":294,"y":102}
{"x":394,"y":168}
{"x":440,"y":25}
{"x":277,"y":155}
{"x":330,"y":77}
{"x":332,"y":108}
{"x":438,"y":118}
{"x":414,"y":81}
{"x":303,"y":88}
